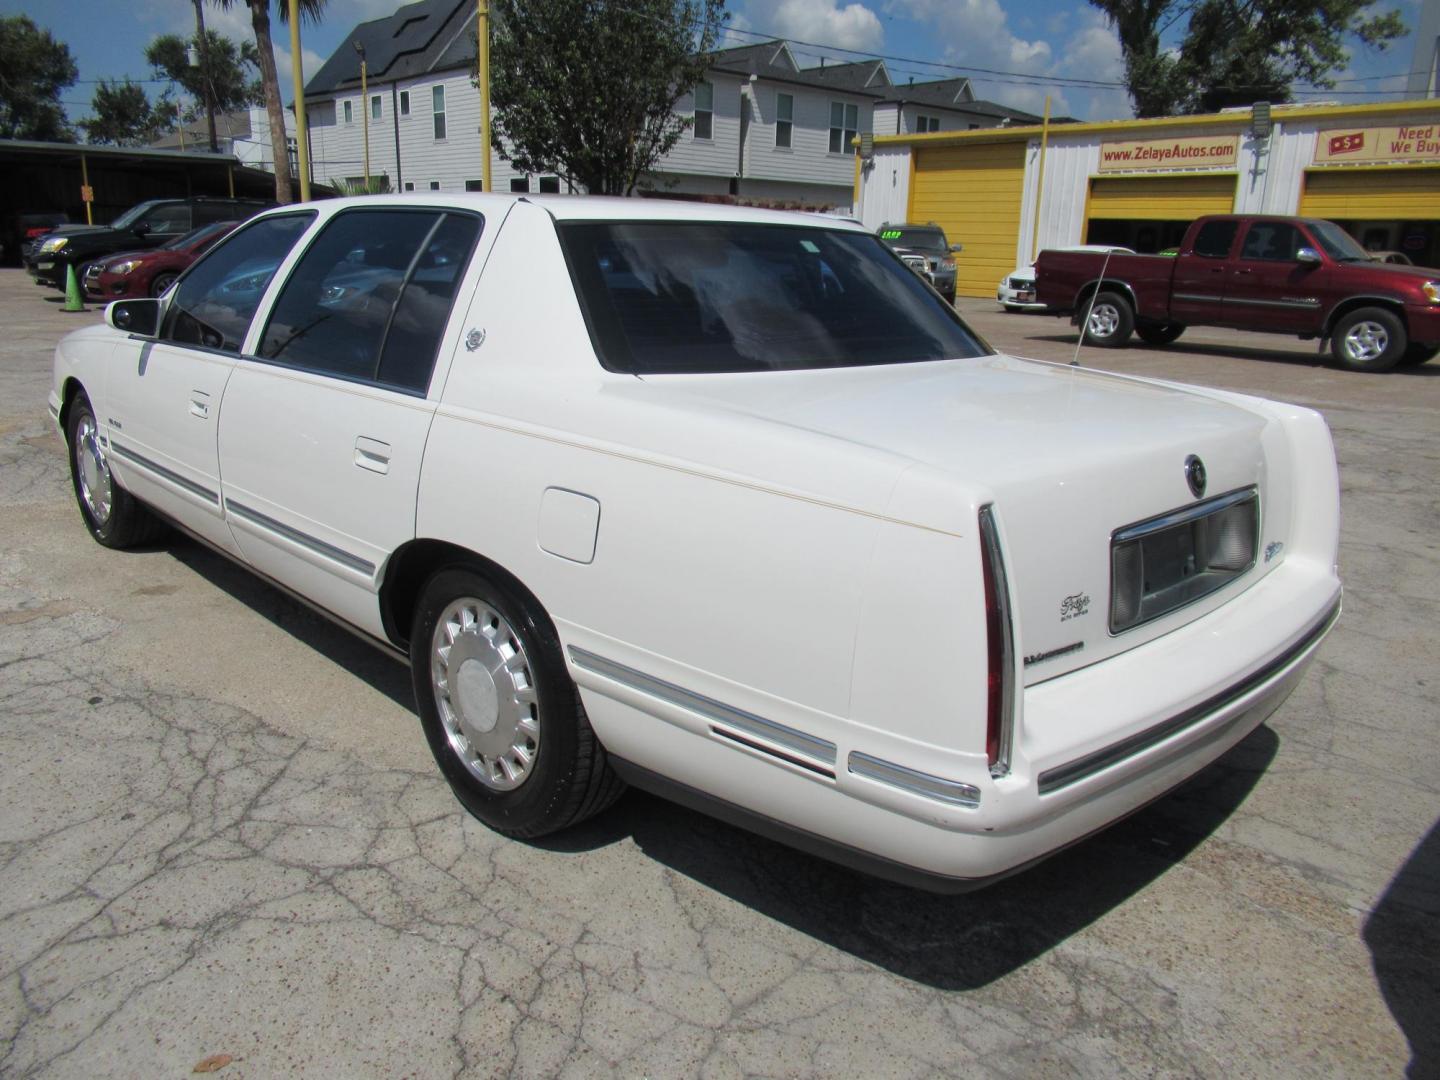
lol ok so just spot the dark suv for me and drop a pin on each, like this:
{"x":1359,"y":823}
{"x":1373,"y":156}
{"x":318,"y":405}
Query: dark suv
{"x":925,"y":249}
{"x":145,"y":225}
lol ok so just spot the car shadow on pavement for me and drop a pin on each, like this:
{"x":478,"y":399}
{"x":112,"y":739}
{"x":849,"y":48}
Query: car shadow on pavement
{"x":1403,"y":935}
{"x":1271,"y":356}
{"x":336,"y":644}
{"x":949,"y":942}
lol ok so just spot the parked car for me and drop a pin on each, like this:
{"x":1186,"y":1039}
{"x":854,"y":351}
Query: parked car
{"x":1279,"y":275}
{"x":1017,"y":292}
{"x":724,"y":503}
{"x":925,"y":249}
{"x":25,"y":227}
{"x":1397,"y":257}
{"x":150,"y":272}
{"x":145,"y":225}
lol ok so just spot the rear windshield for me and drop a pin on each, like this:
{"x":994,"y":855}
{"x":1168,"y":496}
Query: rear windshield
{"x":912,"y":236}
{"x":682,"y":297}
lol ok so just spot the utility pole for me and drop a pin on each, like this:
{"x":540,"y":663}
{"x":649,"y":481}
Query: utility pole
{"x":302,"y":130}
{"x":482,"y":31}
{"x":364,"y":110}
{"x":205,"y":74}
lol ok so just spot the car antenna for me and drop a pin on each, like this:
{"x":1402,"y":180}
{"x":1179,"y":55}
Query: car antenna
{"x":1085,"y":325}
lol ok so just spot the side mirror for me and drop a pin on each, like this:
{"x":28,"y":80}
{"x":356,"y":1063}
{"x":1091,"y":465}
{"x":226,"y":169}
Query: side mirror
{"x":957,"y":248}
{"x":1308,"y":255}
{"x":138,"y":317}
{"x":141,"y":228}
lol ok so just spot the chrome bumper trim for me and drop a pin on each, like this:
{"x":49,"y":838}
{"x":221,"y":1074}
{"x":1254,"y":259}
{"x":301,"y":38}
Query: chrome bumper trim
{"x":918,"y":783}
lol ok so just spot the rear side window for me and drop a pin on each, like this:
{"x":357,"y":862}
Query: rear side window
{"x":217,"y":297}
{"x":1272,"y":241}
{"x":683,"y":297}
{"x":370,"y":298}
{"x":1214,"y":238}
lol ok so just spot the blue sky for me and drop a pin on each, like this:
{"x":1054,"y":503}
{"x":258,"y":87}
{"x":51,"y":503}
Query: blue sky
{"x":1030,"y":49}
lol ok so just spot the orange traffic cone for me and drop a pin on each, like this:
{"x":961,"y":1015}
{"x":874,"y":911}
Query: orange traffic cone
{"x":74,"y":301}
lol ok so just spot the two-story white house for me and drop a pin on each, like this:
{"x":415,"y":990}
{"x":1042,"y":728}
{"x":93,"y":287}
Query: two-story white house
{"x":763,"y":128}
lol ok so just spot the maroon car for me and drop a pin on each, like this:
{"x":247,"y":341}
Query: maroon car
{"x":149,"y":273}
{"x":1278,"y":275}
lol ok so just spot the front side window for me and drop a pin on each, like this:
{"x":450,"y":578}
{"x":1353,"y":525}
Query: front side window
{"x":703,"y":297}
{"x":1272,"y":241}
{"x":784,"y":119}
{"x":437,"y":104}
{"x":404,"y":102}
{"x":216,"y":299}
{"x":844,"y":124}
{"x":1215,"y":237}
{"x":375,"y":108}
{"x":1336,"y":242}
{"x":370,"y":298}
{"x":704,"y":110}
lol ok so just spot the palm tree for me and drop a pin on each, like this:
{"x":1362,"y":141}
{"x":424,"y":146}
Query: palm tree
{"x":260,"y":20}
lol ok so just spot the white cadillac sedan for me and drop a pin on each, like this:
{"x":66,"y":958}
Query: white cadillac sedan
{"x":727,"y":504}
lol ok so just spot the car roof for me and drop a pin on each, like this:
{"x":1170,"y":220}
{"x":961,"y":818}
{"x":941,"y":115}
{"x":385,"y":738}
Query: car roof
{"x":596,"y":208}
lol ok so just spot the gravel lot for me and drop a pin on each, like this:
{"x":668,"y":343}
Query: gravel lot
{"x":222,"y":834}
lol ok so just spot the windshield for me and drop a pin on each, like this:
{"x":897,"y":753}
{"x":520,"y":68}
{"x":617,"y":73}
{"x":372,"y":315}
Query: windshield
{"x":1338,"y":244}
{"x":914,"y":236}
{"x":681,"y":297}
{"x":125,"y":220}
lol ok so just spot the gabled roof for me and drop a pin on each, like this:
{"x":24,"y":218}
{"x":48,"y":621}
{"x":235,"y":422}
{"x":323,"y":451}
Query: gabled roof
{"x":431,"y":35}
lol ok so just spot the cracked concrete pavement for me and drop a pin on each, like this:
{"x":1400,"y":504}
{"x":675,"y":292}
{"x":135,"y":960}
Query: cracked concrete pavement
{"x":222,"y":833}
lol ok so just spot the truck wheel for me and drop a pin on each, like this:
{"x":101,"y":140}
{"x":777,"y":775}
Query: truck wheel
{"x":502,"y":716}
{"x":1109,"y":321}
{"x":1416,"y":355}
{"x":1159,"y":335}
{"x":1369,"y":339}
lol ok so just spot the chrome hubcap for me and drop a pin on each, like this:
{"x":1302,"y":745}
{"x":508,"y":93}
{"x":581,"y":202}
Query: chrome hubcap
{"x":1104,"y":320}
{"x":93,"y":471}
{"x":1366,"y":341}
{"x":485,"y":693}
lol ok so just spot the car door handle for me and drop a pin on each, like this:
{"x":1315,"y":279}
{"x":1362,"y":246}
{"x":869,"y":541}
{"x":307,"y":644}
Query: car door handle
{"x":199,"y":404}
{"x":372,"y":454}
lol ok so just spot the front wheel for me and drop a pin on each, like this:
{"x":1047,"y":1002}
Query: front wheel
{"x":1160,"y":335}
{"x":1109,"y":321}
{"x":501,"y":714}
{"x":114,"y":517}
{"x":161,"y":282}
{"x":1369,"y":339}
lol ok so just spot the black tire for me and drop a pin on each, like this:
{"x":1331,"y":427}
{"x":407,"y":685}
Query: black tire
{"x":1160,"y":335}
{"x":1418,"y":354}
{"x":162,"y":281}
{"x":569,"y":777}
{"x":1109,"y":322}
{"x":1358,"y":333}
{"x":127,"y":522}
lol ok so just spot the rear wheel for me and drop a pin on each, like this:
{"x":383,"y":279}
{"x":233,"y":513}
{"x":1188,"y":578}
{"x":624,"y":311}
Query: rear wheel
{"x":1163,"y":334}
{"x":1109,"y":321}
{"x":114,"y":517}
{"x":1369,"y":339}
{"x":501,"y":714}
{"x":1416,"y":355}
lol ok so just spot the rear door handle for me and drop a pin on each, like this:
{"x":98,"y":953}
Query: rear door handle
{"x":199,"y":404}
{"x":372,"y":454}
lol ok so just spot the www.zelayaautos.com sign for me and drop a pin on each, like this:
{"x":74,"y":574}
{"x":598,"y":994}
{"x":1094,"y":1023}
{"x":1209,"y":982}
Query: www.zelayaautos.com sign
{"x":1193,"y":152}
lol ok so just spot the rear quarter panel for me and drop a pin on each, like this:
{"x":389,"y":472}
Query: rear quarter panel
{"x":1062,"y":279}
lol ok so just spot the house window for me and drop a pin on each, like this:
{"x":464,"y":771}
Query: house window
{"x":434,"y":185}
{"x":925,"y":123}
{"x":404,"y":102}
{"x":974,"y":127}
{"x":784,"y":117}
{"x":844,"y":123}
{"x":375,"y":109}
{"x":437,"y":105}
{"x":349,"y":113}
{"x":474,"y":185}
{"x":409,"y":185}
{"x":704,"y":111}
{"x":549,"y":185}
{"x":520,"y":183}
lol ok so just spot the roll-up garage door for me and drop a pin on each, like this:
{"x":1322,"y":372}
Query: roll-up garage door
{"x":973,"y":193}
{"x":1161,"y":198}
{"x":1372,"y":194}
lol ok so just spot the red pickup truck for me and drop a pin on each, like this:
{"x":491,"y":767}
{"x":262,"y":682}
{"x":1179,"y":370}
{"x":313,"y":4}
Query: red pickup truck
{"x":1277,"y":275}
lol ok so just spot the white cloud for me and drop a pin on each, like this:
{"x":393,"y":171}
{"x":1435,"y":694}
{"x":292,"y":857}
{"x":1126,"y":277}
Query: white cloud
{"x":853,"y":26}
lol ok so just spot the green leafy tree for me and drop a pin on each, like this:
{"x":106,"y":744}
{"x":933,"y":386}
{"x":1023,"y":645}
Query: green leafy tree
{"x":310,"y":11}
{"x":121,"y":114}
{"x":231,"y":75}
{"x":1235,"y":52}
{"x":587,"y":88}
{"x":34,"y":70}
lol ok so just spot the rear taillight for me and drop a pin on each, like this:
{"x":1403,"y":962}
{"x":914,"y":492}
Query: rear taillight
{"x":1000,"y":649}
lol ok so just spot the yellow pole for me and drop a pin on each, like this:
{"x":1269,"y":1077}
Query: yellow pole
{"x":365,"y":117}
{"x":302,"y":137}
{"x":482,"y":30}
{"x":85,"y":182}
{"x":1040,"y":180}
